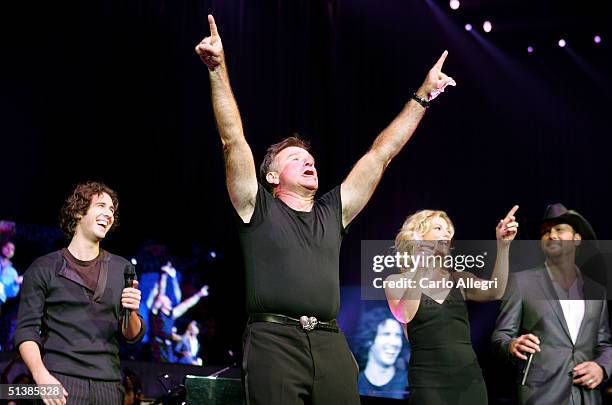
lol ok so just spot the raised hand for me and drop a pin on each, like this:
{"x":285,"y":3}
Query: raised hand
{"x":436,"y":81}
{"x":169,"y":269}
{"x":203,"y":291}
{"x":508,"y":227}
{"x":210,"y":49}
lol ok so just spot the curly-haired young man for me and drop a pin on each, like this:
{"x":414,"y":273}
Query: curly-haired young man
{"x":70,"y":314}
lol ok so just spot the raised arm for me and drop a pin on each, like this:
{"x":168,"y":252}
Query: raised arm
{"x":162,"y":284}
{"x":240,"y":174}
{"x":181,"y":308}
{"x":404,"y":302}
{"x":361,"y":182}
{"x":176,"y":288}
{"x":505,"y":232}
{"x":152,"y":295}
{"x":160,"y":288}
{"x":170,"y":270}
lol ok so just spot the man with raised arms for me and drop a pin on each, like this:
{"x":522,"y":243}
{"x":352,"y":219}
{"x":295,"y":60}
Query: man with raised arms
{"x":293,"y":350}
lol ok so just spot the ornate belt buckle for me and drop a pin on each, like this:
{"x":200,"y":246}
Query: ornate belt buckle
{"x":308,"y":323}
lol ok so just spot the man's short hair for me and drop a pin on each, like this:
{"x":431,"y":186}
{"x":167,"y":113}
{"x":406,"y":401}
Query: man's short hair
{"x":273,"y":151}
{"x":79,"y":201}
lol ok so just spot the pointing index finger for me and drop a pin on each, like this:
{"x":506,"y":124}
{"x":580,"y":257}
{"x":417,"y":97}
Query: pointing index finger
{"x":212,"y":25}
{"x":512,"y":211}
{"x":440,"y":61}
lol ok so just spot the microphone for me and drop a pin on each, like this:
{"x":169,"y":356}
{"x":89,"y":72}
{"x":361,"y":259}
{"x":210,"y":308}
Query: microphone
{"x":129,"y":274}
{"x":527,"y":368}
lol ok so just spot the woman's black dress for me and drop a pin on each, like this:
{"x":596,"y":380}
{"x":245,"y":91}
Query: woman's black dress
{"x":443,"y":365}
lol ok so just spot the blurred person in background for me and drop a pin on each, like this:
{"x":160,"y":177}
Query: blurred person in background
{"x":162,"y":317}
{"x":176,"y":295}
{"x":132,"y":386}
{"x":188,"y":348}
{"x":10,"y":283}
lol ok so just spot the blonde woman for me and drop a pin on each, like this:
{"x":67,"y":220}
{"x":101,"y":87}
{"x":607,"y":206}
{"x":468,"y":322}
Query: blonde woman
{"x":443,"y":365}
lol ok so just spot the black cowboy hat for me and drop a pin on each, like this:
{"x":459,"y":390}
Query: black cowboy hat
{"x":557,"y":213}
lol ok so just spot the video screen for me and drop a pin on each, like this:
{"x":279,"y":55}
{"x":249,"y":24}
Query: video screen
{"x":378,"y":343}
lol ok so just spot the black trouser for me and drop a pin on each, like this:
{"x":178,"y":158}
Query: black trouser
{"x":83,"y":391}
{"x":287,"y":365}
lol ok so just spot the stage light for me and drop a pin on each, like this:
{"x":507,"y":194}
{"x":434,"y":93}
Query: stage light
{"x":468,"y":27}
{"x":530,"y":49}
{"x":212,"y":254}
{"x":597,"y":39}
{"x":487,"y":26}
{"x":134,"y":262}
{"x":454,"y":4}
{"x":562,"y":43}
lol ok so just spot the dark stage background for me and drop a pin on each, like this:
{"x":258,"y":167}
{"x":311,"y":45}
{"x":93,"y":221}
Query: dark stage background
{"x":112,"y":90}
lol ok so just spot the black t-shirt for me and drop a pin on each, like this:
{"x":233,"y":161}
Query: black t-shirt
{"x":161,"y":324}
{"x":292,"y":257}
{"x":395,"y":388}
{"x":77,"y":331}
{"x":88,"y":270}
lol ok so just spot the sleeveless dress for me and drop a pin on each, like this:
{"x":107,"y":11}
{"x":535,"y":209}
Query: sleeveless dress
{"x":443,"y":365}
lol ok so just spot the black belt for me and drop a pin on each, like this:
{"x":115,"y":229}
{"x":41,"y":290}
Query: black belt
{"x":305,"y":322}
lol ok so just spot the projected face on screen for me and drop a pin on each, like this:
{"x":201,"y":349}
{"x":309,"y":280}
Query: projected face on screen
{"x":387,"y":344}
{"x":382,"y":352}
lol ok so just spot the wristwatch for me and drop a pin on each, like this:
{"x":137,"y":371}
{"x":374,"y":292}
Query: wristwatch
{"x":423,"y":102}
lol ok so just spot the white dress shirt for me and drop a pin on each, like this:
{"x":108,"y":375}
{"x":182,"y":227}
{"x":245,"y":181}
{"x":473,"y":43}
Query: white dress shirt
{"x":572,"y":302}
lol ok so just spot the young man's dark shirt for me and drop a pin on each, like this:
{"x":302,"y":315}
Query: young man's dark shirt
{"x":76,"y":328}
{"x":89,"y":271}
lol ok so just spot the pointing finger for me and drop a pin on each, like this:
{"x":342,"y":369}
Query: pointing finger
{"x":512,"y":211}
{"x":440,"y":61}
{"x":213,"y":25}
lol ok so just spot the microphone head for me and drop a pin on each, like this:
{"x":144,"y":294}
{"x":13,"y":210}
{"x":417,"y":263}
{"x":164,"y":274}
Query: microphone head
{"x":129,"y":271}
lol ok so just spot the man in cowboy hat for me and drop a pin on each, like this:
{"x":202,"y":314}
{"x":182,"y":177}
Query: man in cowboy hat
{"x":556,"y":319}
